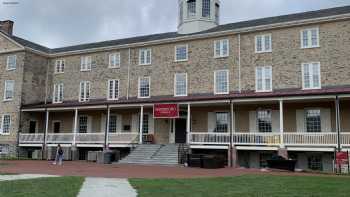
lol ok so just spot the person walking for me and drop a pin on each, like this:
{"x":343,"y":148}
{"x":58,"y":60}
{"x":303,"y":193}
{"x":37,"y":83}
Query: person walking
{"x":59,"y":155}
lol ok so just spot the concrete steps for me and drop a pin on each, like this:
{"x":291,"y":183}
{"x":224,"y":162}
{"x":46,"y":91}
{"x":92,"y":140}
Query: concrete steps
{"x":153,"y":154}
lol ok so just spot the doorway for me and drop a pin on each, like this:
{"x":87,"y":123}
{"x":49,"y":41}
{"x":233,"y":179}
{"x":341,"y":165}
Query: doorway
{"x":180,"y":131}
{"x":56,"y":127}
{"x":32,"y":126}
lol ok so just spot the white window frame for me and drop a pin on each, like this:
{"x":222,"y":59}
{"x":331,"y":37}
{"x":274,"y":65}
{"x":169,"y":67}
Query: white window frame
{"x":115,"y":56}
{"x":86,"y":90}
{"x":5,"y":90}
{"x":176,"y":57}
{"x":175,"y":84}
{"x":309,"y":30}
{"x":228,"y":82}
{"x":85,"y":63}
{"x":8,"y":62}
{"x":114,"y":96}
{"x":312,"y":87}
{"x":264,"y":89}
{"x":2,"y":119}
{"x":221,"y":44}
{"x":58,"y":93}
{"x":143,"y":52}
{"x":139,"y":87}
{"x":60,"y":66}
{"x":263,"y":43}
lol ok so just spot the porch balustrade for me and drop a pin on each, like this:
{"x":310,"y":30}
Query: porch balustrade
{"x":210,"y":138}
{"x":123,"y":138}
{"x":59,"y":138}
{"x":256,"y":138}
{"x":319,"y":139}
{"x":32,"y":138}
{"x":90,"y":138}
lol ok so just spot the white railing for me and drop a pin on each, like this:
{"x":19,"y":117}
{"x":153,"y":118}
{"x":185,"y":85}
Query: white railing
{"x":256,"y":138}
{"x":90,"y":138}
{"x":345,"y":139}
{"x":210,"y":138}
{"x":31,"y":138}
{"x":123,"y":138}
{"x":319,"y":139}
{"x":61,"y":138}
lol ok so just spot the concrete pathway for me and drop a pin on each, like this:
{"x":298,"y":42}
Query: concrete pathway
{"x":104,"y":187}
{"x":23,"y":177}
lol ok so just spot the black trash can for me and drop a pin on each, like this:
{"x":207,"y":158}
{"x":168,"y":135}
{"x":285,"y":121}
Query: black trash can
{"x":213,"y":162}
{"x":107,"y":157}
{"x":194,"y":160}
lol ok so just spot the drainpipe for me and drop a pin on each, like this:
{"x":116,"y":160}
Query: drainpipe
{"x":231,"y":134}
{"x":128,"y":85}
{"x":47,"y":81}
{"x":239,"y":63}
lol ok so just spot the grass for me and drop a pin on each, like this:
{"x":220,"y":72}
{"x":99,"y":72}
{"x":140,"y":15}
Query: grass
{"x":42,"y":187}
{"x":245,"y":186}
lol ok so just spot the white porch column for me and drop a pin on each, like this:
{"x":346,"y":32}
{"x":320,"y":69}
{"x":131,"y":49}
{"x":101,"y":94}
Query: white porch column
{"x":141,"y":125}
{"x":188,"y":125}
{"x":281,"y":124}
{"x":107,"y":127}
{"x":75,"y":129}
{"x":46,"y":127}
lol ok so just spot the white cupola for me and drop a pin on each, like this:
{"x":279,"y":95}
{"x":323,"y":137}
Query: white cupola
{"x":198,"y":15}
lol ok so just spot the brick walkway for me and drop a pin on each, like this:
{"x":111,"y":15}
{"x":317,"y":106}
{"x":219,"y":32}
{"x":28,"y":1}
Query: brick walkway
{"x":121,"y":171}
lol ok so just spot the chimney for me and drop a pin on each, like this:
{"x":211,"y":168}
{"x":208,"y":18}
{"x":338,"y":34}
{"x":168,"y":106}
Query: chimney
{"x":6,"y":26}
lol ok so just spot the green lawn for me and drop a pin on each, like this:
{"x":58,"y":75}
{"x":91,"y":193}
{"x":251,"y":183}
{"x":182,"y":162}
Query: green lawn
{"x":245,"y":186}
{"x":42,"y":187}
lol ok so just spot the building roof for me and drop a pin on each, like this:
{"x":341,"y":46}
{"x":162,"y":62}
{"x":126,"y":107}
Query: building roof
{"x":226,"y":27}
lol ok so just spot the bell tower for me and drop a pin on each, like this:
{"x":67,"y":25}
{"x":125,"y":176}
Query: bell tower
{"x":198,"y":15}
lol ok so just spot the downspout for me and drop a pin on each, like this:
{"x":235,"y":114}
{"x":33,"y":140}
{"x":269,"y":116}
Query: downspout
{"x":239,"y":64}
{"x":337,"y":120}
{"x":47,"y":81}
{"x":129,"y":64}
{"x":231,"y":133}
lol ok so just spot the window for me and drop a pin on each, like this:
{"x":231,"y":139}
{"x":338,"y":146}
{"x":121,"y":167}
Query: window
{"x":84,"y":91}
{"x":9,"y":90}
{"x":313,"y":120}
{"x":310,"y":38}
{"x":263,"y":77}
{"x":221,"y":48}
{"x":217,"y":13}
{"x":113,"y":124}
{"x":114,"y":60}
{"x":83,"y":124}
{"x":315,"y":162}
{"x":85,"y":63}
{"x":5,"y":124}
{"x":4,"y":149}
{"x":145,"y":56}
{"x":311,"y":75}
{"x":59,"y":66}
{"x":144,"y":87}
{"x":58,"y":93}
{"x":191,"y":8}
{"x":113,"y":89}
{"x":221,"y":80}
{"x":11,"y":62}
{"x":145,"y":124}
{"x":263,"y":43}
{"x":264,"y":121}
{"x":222,"y":121}
{"x":180,"y":84}
{"x":181,"y":53}
{"x":206,"y":8}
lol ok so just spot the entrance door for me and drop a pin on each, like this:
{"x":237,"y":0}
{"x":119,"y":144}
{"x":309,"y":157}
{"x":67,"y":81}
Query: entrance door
{"x":180,"y":131}
{"x":56,"y":127}
{"x":32,"y":126}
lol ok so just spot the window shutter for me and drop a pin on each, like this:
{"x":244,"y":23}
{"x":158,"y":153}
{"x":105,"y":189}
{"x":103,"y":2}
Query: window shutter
{"x":252,"y":122}
{"x":211,"y":122}
{"x":135,"y":123}
{"x":275,"y":121}
{"x":150,"y":123}
{"x":326,"y":120}
{"x":1,"y":124}
{"x":119,"y":123}
{"x":103,"y":122}
{"x":300,"y":120}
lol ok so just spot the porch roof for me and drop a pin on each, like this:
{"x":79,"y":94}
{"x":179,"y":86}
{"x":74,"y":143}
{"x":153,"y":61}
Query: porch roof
{"x":275,"y":95}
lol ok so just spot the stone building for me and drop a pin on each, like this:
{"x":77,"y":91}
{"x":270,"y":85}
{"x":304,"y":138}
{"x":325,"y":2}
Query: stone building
{"x":251,"y":89}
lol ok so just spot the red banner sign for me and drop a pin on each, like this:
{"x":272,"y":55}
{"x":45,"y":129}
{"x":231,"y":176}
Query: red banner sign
{"x":342,"y":158}
{"x":166,"y":111}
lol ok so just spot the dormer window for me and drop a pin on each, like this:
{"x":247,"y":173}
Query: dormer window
{"x":206,"y":8}
{"x":191,"y":8}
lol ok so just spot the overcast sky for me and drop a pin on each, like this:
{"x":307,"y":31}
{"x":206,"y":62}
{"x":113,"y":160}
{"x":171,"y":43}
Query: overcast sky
{"x":57,"y":23}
